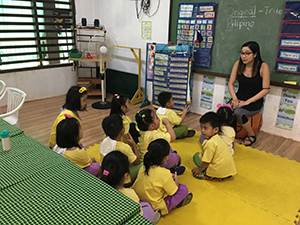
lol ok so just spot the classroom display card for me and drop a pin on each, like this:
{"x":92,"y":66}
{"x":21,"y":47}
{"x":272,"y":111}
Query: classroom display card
{"x":207,"y":91}
{"x":172,"y":73}
{"x":287,"y":108}
{"x":288,"y":56}
{"x":195,"y":27}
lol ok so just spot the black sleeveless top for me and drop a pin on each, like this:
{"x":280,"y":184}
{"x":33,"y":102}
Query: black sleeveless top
{"x":248,"y":87}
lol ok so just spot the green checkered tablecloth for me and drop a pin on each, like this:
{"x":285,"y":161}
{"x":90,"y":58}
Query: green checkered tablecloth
{"x":13,"y":131}
{"x":137,"y":220}
{"x":39,"y":186}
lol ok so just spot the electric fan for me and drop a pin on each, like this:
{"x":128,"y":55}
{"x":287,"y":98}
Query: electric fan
{"x":103,"y":48}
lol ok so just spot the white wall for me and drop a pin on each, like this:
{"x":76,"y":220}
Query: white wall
{"x":44,"y":83}
{"x":120,"y":21}
{"x":269,"y":112}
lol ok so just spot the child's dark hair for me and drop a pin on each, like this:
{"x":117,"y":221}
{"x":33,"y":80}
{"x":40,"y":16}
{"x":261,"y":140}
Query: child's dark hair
{"x":116,"y":103}
{"x":143,"y":119}
{"x":164,"y":97}
{"x":157,"y":151}
{"x":73,"y":98}
{"x":227,"y":116}
{"x":213,"y":118}
{"x":112,"y":125}
{"x":67,"y":133}
{"x":114,"y":165}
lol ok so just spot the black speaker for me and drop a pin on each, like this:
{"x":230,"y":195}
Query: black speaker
{"x":96,"y":23}
{"x":83,"y":22}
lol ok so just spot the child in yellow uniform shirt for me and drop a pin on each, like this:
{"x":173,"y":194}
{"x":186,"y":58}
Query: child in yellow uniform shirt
{"x":215,"y":161}
{"x":120,"y":104}
{"x":156,"y":185}
{"x":115,"y":170}
{"x":68,"y":134}
{"x":114,"y":129}
{"x":75,"y":101}
{"x":166,"y":101}
{"x":148,"y":124}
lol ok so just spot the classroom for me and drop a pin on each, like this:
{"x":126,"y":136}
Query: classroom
{"x":235,"y":23}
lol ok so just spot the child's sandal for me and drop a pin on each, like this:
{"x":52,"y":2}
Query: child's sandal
{"x":199,"y":175}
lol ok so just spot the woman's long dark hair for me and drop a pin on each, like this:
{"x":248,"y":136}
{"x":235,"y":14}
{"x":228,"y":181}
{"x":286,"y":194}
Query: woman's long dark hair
{"x":114,"y":165}
{"x":254,"y":47}
{"x":157,"y":151}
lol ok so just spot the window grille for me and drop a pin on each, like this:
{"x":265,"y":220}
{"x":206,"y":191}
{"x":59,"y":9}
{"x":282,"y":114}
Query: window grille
{"x":35,"y":34}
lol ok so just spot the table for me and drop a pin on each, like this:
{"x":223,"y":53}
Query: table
{"x":39,"y":186}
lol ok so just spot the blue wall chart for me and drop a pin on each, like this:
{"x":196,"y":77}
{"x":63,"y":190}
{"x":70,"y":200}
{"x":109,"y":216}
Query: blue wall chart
{"x":288,"y":57}
{"x":195,"y":27}
{"x":172,"y":73}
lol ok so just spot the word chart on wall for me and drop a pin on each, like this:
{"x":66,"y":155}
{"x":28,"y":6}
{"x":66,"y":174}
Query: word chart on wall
{"x":195,"y":27}
{"x":171,"y":73}
{"x":288,"y":57}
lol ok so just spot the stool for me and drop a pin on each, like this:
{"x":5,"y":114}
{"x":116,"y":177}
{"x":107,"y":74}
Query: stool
{"x":256,"y":122}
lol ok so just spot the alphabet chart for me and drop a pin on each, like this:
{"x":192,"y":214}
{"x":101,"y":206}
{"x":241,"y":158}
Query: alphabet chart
{"x":195,"y":27}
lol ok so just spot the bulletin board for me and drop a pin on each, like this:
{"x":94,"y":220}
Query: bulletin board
{"x":195,"y":27}
{"x":288,"y":56}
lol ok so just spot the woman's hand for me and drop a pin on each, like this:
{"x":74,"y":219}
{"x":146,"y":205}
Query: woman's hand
{"x":235,"y":103}
{"x":242,"y":103}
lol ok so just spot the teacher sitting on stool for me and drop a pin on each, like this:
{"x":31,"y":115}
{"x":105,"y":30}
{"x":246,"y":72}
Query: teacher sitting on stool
{"x":253,"y":76}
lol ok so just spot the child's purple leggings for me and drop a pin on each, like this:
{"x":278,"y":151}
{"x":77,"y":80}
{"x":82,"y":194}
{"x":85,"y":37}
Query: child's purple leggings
{"x":148,"y":212}
{"x":173,"y":161}
{"x":93,"y":169}
{"x":174,"y":200}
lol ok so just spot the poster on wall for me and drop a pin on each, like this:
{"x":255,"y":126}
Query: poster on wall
{"x":207,"y":91}
{"x":287,"y":108}
{"x":195,"y":27}
{"x":288,"y":56}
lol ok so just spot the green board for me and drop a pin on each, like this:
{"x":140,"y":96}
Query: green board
{"x":239,"y":21}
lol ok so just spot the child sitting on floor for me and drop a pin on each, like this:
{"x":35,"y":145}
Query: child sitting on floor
{"x":215,"y":161}
{"x":68,"y":135}
{"x":121,"y":105}
{"x":148,"y":124}
{"x":228,"y":126}
{"x":157,"y":185}
{"x":166,"y":101}
{"x":75,"y":101}
{"x":115,"y":170}
{"x":114,"y":129}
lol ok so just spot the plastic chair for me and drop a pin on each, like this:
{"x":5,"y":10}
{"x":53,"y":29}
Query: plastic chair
{"x":15,"y":99}
{"x":2,"y":89}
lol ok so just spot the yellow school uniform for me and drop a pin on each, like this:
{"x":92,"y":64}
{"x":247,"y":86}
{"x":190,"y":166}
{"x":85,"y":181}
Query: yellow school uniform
{"x":228,"y":136}
{"x":52,"y":140}
{"x":215,"y":152}
{"x":153,"y":188}
{"x":174,"y":119}
{"x":79,"y":157}
{"x":108,"y":145}
{"x":147,"y":137}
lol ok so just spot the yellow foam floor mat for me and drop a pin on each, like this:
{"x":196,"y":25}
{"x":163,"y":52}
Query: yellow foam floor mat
{"x":265,"y":190}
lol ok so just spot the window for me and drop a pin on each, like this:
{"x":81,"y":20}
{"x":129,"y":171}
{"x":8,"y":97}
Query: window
{"x":35,"y":33}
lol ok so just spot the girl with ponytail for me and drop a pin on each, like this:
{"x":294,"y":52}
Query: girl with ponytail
{"x":156,"y":184}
